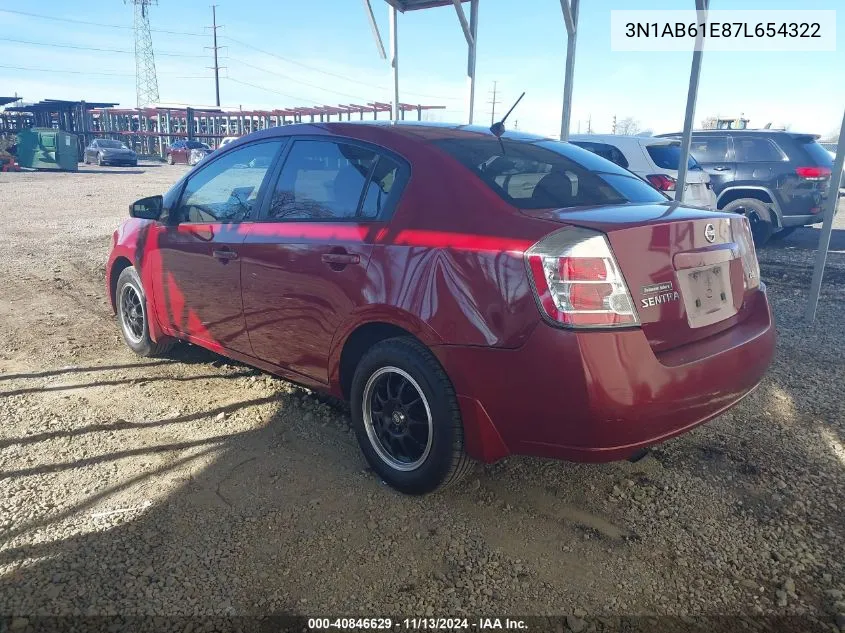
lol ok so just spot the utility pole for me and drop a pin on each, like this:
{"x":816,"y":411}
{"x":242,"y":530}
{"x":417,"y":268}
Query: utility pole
{"x":613,"y":127}
{"x":590,"y":124}
{"x":215,"y":48}
{"x":493,"y":103}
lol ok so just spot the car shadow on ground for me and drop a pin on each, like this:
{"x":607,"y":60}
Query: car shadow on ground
{"x":807,"y":237}
{"x":270,"y":509}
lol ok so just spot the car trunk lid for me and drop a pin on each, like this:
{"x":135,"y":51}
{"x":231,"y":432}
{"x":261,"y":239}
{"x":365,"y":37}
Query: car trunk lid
{"x":683,"y":266}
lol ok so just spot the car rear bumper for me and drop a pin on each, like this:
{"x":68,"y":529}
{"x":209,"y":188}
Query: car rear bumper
{"x":602,"y":396}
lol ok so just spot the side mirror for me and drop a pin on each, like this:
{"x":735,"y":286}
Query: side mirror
{"x":147,"y":208}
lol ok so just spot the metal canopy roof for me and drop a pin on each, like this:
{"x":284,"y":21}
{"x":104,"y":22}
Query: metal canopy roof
{"x":414,"y":5}
{"x":5,"y":100}
{"x":54,"y":105}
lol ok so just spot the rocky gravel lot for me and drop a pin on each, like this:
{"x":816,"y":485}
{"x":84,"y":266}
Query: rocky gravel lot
{"x":195,"y":486}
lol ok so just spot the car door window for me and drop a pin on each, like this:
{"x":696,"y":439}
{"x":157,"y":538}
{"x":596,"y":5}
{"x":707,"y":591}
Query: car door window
{"x":227,"y":189}
{"x":610,"y":152}
{"x":325,"y":180}
{"x":756,"y":150}
{"x":710,"y":149}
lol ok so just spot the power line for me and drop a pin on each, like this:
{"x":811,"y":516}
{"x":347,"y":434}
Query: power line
{"x":108,"y":26}
{"x":304,"y":83}
{"x":331,"y":74}
{"x":246,"y":83}
{"x":87,"y":72}
{"x":92,"y":48}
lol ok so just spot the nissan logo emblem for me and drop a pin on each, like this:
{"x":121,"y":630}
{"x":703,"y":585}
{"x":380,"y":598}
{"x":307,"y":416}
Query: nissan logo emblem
{"x":710,"y":233}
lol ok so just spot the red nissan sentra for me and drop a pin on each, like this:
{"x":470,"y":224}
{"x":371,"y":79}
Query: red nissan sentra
{"x":472,"y":296}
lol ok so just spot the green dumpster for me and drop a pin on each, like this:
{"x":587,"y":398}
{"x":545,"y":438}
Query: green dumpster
{"x":46,"y":148}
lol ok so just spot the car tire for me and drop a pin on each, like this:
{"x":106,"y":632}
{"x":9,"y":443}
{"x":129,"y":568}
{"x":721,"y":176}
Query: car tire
{"x":170,"y":159}
{"x":132,"y":316}
{"x":99,"y":160}
{"x":759,"y":217}
{"x":406,"y":417}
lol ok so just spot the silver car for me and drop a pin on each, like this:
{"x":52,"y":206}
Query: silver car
{"x":655,"y":160}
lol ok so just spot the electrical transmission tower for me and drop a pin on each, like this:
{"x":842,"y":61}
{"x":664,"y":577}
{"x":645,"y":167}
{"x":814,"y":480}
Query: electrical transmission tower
{"x":146,"y":82}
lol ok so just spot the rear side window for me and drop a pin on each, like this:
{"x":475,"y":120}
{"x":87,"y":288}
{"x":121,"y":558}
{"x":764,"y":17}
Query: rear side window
{"x":608,"y":152}
{"x":547,"y":174}
{"x":710,"y":149}
{"x":815,"y":151}
{"x":669,"y":157}
{"x":756,"y":150}
{"x":325,"y":180}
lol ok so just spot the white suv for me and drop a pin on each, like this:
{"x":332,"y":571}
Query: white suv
{"x":655,"y":160}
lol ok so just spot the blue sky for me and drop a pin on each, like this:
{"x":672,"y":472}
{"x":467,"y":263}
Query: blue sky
{"x":330,"y":58}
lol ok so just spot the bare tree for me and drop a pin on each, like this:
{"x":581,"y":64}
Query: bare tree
{"x":628,"y":126}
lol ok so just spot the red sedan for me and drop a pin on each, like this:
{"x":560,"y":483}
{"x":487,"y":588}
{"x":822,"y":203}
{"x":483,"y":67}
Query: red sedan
{"x":471,"y":296}
{"x":186,"y":152}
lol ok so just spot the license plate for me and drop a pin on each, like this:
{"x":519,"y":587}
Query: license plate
{"x":707,"y":295}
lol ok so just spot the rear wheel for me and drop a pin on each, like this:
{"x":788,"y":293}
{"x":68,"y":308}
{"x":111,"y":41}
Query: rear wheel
{"x":759,"y":216}
{"x":405,"y":414}
{"x":100,"y":160}
{"x":170,"y":159}
{"x":132,"y":316}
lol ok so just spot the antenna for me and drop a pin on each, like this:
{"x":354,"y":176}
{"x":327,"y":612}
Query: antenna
{"x":499,"y":128}
{"x":146,"y":82}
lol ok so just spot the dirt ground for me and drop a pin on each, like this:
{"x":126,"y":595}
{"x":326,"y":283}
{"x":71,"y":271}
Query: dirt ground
{"x":192,"y":485}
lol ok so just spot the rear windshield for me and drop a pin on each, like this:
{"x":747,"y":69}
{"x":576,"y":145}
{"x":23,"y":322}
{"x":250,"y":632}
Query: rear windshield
{"x":669,"y":157}
{"x":107,"y":144}
{"x":548,"y":174}
{"x":818,"y":154}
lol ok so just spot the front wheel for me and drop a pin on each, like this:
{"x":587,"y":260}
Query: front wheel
{"x":170,"y":159}
{"x":406,"y":417}
{"x":133,"y":318}
{"x":759,"y":217}
{"x":99,"y":160}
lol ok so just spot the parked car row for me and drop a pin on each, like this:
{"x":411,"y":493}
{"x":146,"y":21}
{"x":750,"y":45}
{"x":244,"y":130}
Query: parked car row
{"x":472,"y":294}
{"x":777,"y":179}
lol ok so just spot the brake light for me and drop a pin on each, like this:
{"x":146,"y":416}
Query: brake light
{"x":745,"y":240}
{"x":813,"y":173}
{"x":577,"y":280}
{"x":662,"y":182}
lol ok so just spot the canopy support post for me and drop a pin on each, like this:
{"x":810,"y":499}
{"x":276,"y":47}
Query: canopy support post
{"x":570,"y":17}
{"x":470,"y":30}
{"x":701,"y":7}
{"x":827,"y":226}
{"x":394,"y":59}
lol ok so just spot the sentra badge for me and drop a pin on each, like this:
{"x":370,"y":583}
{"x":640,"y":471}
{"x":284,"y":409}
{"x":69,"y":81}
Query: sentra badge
{"x":658,"y":293}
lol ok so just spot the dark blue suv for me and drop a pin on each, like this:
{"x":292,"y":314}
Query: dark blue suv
{"x":778,"y":179}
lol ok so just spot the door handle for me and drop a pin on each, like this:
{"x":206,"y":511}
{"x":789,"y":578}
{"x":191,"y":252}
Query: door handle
{"x":721,"y":168}
{"x":341,"y":258}
{"x":224,"y":255}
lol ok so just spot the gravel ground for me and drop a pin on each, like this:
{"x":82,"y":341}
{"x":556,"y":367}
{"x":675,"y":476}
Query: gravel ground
{"x":196,"y":486}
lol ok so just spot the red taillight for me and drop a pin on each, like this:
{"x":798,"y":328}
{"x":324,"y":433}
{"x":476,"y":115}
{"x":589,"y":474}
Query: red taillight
{"x":577,"y":280}
{"x":583,"y":268}
{"x":662,"y":182}
{"x":589,"y":296}
{"x":813,"y":173}
{"x":741,"y":230}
